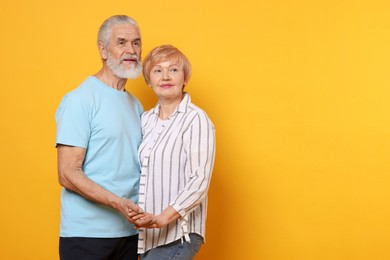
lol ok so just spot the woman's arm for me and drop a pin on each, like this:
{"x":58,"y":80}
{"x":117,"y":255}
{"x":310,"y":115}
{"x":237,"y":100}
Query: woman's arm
{"x":200,"y":149}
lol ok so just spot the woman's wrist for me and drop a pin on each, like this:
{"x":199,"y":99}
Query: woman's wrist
{"x":167,"y":216}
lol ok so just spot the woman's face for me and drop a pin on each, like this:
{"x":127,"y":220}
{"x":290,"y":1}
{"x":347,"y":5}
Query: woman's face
{"x":167,"y":80}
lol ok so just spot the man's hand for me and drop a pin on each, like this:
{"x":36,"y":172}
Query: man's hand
{"x":125,"y":206}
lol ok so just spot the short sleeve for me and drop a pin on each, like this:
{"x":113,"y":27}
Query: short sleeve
{"x":73,"y":121}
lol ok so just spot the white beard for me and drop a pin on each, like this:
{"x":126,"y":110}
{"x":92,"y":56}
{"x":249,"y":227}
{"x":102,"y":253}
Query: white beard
{"x":118,"y":71}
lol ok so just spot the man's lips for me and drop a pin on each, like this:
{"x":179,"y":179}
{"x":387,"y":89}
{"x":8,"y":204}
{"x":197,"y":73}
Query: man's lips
{"x":130,"y":60}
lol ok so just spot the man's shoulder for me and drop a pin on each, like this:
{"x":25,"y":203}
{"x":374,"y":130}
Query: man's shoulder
{"x":85,"y":87}
{"x":79,"y":95}
{"x":85,"y":91}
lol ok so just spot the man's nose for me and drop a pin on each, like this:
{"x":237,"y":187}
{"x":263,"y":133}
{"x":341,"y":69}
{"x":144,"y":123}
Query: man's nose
{"x":130,"y":49}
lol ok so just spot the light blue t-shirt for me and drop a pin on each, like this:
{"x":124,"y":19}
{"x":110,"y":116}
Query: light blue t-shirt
{"x":107,"y":123}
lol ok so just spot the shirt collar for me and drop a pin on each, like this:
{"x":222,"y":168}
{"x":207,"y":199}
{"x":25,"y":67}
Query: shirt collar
{"x":182,"y":108}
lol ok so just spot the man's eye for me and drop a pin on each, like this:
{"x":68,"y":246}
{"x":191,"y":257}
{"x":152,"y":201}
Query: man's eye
{"x":157,"y":71}
{"x":174,"y":70}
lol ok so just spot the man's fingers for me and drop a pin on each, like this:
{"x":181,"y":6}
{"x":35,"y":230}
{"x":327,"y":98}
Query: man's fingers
{"x":132,"y":214}
{"x":133,"y":207}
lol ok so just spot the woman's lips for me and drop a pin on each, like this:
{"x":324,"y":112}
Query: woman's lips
{"x":166,"y":85}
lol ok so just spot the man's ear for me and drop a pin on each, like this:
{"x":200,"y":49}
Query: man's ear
{"x":102,"y":51}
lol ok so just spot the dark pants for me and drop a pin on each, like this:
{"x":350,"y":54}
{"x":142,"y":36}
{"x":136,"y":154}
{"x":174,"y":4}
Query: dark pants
{"x":85,"y":248}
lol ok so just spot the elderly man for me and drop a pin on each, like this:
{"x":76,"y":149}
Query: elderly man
{"x":98,"y":134}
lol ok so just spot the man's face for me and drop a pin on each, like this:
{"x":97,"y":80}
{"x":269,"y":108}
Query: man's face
{"x":124,"y":51}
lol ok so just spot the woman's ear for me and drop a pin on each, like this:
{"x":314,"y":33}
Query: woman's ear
{"x":102,"y":51}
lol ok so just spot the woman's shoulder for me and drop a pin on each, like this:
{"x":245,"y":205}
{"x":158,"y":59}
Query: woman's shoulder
{"x":194,"y":109}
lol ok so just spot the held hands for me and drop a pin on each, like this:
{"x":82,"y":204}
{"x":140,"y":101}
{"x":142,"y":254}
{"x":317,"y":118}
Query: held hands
{"x":148,"y":220}
{"x":125,"y":206}
{"x":145,"y":220}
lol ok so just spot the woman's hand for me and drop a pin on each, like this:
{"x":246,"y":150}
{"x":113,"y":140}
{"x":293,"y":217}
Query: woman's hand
{"x":145,"y":220}
{"x":141,"y":219}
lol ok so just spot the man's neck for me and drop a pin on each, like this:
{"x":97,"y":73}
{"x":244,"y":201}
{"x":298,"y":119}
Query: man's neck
{"x":106,"y":76}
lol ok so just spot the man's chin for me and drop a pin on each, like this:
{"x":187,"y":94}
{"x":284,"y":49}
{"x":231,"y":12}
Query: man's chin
{"x":128,"y":74}
{"x":133,"y":74}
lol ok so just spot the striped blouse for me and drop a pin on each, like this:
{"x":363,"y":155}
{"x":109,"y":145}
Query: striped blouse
{"x":177,"y":157}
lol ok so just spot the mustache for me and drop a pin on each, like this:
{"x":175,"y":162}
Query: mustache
{"x":129,"y":56}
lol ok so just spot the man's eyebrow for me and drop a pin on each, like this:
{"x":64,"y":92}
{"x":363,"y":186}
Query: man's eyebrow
{"x":119,"y":39}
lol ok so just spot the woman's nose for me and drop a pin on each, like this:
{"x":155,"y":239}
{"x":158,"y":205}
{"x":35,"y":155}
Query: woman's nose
{"x":166,"y":76}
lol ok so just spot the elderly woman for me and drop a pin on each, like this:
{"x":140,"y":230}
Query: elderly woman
{"x":177,"y":158}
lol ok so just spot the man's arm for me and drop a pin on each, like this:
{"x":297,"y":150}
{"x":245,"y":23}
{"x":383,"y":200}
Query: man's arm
{"x":72,"y":177}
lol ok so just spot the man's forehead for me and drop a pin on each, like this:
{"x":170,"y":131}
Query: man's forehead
{"x":125,"y":31}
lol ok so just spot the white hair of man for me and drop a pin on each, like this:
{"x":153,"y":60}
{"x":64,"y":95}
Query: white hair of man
{"x":105,"y":29}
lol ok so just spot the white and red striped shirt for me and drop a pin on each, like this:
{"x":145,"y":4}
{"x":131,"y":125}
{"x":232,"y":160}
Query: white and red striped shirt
{"x":177,"y":157}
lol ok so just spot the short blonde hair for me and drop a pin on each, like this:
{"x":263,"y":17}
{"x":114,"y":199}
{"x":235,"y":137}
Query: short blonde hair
{"x":164,"y":53}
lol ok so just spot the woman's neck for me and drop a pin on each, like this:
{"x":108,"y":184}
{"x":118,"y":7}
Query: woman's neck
{"x":168,"y":107}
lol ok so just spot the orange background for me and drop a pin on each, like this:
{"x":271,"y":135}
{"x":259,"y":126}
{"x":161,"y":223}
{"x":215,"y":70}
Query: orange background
{"x":298,"y":92}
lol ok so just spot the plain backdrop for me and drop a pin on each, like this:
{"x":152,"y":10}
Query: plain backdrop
{"x":298,"y":91}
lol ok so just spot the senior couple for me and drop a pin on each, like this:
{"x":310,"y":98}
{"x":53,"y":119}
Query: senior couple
{"x":134,"y":182}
